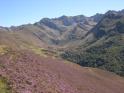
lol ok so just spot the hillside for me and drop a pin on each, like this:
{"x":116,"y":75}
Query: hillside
{"x":51,"y":32}
{"x":31,"y":55}
{"x":105,"y":50}
{"x":27,"y":72}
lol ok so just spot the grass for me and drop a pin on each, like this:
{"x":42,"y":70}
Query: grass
{"x":4,"y":87}
{"x":3,"y":49}
{"x":43,"y":52}
{"x":39,"y":51}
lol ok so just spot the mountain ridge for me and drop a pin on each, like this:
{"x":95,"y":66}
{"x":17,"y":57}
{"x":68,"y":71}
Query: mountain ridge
{"x":105,"y":48}
{"x":57,"y":31}
{"x":36,"y":58}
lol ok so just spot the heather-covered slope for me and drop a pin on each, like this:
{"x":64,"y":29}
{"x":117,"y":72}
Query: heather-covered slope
{"x":27,"y":72}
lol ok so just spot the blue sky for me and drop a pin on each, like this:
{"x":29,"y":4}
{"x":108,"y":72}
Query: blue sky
{"x":17,"y":12}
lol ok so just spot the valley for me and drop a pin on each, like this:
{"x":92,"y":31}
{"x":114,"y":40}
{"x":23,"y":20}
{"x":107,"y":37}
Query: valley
{"x":68,"y":54}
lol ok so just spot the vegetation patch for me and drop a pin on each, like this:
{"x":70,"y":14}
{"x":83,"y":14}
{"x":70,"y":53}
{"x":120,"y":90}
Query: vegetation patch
{"x":4,"y":86}
{"x":39,"y":51}
{"x":108,"y":56}
{"x":3,"y":49}
{"x":43,"y":52}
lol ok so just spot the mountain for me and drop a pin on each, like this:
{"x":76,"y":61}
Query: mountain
{"x":105,"y":49}
{"x":112,"y":23}
{"x":66,"y":29}
{"x":52,"y":32}
{"x":33,"y":57}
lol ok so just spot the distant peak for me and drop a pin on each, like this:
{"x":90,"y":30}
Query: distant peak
{"x":45,"y":19}
{"x":63,"y":17}
{"x":111,"y":12}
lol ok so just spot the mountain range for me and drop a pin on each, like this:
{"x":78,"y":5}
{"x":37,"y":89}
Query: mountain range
{"x":105,"y":45}
{"x":57,"y":31}
{"x":41,"y":57}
